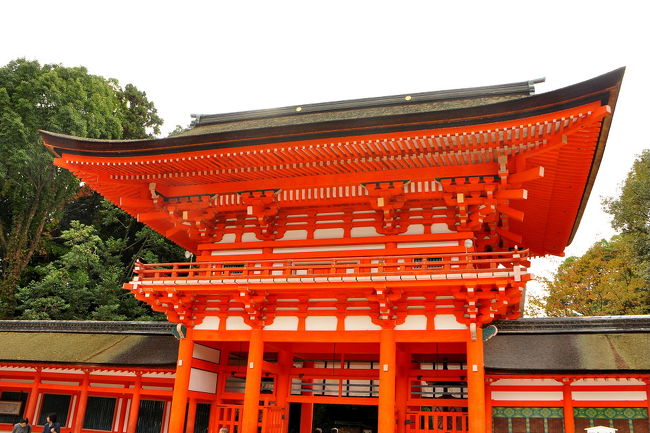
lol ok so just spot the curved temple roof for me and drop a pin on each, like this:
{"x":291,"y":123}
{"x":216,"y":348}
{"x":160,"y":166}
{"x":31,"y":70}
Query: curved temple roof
{"x":563,"y":131}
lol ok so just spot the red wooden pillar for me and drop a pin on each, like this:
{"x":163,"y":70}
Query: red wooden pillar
{"x":387,"y":374}
{"x":569,"y":422}
{"x":212,"y":423}
{"x":306,"y":417}
{"x":402,"y":388}
{"x":647,"y":397}
{"x":181,"y":383}
{"x":307,"y":409}
{"x":253,"y":382}
{"x":283,"y":384}
{"x":81,"y":407}
{"x":134,"y":407}
{"x":476,"y":384}
{"x":30,"y":410}
{"x":488,"y":406}
{"x":191,"y":416}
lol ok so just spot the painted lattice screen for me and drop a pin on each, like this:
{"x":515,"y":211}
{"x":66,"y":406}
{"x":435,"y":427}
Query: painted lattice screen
{"x":527,"y":420}
{"x":624,"y":419}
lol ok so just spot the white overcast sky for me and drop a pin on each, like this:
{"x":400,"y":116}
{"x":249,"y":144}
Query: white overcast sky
{"x":224,"y":56}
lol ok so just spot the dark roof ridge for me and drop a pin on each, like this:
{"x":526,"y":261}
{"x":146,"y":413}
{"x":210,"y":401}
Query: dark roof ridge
{"x":575,"y":325}
{"x":523,"y":87}
{"x":87,"y":327}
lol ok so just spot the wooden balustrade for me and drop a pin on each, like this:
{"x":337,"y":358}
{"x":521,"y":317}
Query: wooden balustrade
{"x":491,"y":264}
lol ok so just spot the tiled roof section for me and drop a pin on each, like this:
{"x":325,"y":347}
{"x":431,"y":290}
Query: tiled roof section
{"x":86,"y":327}
{"x":96,"y":349}
{"x":362,"y":108}
{"x":575,"y":325}
{"x":571,"y":344}
{"x":88,"y":342}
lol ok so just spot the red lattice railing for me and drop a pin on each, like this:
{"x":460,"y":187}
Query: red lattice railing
{"x":384,"y":268}
{"x":436,"y":422}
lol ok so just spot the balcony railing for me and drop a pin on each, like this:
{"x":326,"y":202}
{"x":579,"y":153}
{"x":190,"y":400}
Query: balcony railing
{"x":510,"y":264}
{"x":436,"y":422}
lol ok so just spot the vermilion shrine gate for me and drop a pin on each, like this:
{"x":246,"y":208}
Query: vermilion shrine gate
{"x":352,"y":252}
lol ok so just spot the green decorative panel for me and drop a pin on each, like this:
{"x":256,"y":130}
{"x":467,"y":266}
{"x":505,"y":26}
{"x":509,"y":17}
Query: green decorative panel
{"x":610,"y":412}
{"x":527,"y":412}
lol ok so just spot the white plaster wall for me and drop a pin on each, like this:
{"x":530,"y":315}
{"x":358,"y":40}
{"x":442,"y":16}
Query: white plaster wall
{"x":203,"y":381}
{"x":415,"y":229}
{"x":228,"y":238}
{"x":329,"y":248}
{"x":360,"y":323}
{"x":427,"y":244}
{"x":527,"y":395}
{"x":236,"y":252}
{"x":209,"y":323}
{"x":447,"y":321}
{"x":335,"y":233}
{"x":206,"y":353}
{"x":236,"y":323}
{"x":440,"y":228}
{"x":321,"y":323}
{"x":609,"y":395}
{"x":363,"y":232}
{"x":294,"y":235}
{"x":283,"y":323}
{"x":249,"y":237}
{"x":413,"y":323}
{"x":526,"y":382}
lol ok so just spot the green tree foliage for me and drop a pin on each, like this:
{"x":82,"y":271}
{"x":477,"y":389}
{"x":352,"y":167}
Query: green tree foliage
{"x":631,"y":210}
{"x":83,"y":283}
{"x":606,"y":280}
{"x":32,"y":191}
{"x":613,"y":276}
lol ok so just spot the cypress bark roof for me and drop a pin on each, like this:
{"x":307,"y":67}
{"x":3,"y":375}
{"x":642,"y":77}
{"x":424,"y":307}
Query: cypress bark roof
{"x":566,"y":344}
{"x":98,"y":343}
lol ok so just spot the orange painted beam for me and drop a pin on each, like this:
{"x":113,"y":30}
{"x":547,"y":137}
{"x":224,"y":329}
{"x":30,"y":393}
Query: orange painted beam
{"x":335,"y":336}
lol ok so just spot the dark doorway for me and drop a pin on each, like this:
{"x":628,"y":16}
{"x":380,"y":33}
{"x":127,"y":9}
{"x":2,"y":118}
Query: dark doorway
{"x":346,"y":417}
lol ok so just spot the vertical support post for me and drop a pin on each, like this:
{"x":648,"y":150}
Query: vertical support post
{"x":569,"y":422}
{"x":83,"y":403}
{"x":191,"y":416}
{"x":647,"y":397}
{"x":476,"y":383}
{"x":285,"y":361}
{"x":307,"y":409}
{"x":306,"y":417}
{"x":488,"y":406}
{"x":181,"y":383}
{"x":387,"y":374}
{"x":283,"y":384}
{"x":122,"y":402}
{"x":253,"y":382}
{"x":134,"y":407}
{"x":402,"y":388}
{"x":212,"y":423}
{"x":30,"y":410}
